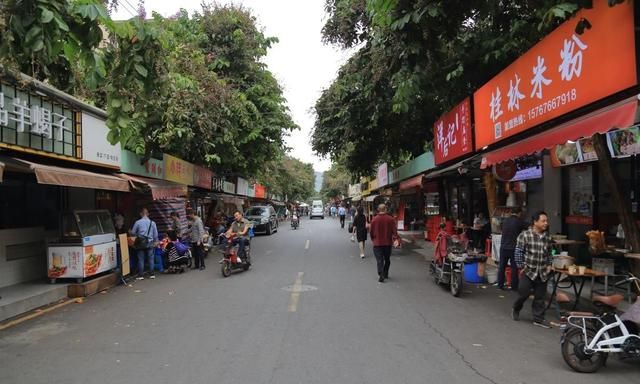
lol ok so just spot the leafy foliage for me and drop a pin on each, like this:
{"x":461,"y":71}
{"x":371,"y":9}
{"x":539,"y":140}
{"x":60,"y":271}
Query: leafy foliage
{"x":335,"y":182}
{"x":417,"y":60}
{"x":54,"y":39}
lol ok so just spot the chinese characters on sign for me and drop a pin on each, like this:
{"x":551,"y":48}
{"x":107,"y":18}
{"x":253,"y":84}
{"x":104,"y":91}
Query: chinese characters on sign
{"x":178,"y":170}
{"x":453,"y":133}
{"x":562,"y":73}
{"x":33,"y":121}
{"x":383,"y":175}
{"x":202,"y":177}
{"x":153,"y":168}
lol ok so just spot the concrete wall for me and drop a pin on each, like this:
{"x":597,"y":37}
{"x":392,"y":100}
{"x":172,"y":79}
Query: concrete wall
{"x":22,"y":255}
{"x":552,"y":178}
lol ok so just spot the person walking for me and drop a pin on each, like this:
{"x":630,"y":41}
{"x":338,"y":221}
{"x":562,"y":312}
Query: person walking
{"x":175,"y":227}
{"x":342,"y":212}
{"x":383,"y":232}
{"x":196,"y":233}
{"x":146,"y":233}
{"x":511,"y":228}
{"x":360,"y":229}
{"x":533,"y":254}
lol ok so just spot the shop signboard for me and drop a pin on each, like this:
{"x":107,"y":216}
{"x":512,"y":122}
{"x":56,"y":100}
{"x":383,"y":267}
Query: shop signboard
{"x":383,"y":175}
{"x":96,"y":148}
{"x":414,"y":182}
{"x":251,"y":191}
{"x":452,"y":133}
{"x":259,"y":190}
{"x":202,"y":177}
{"x":130,"y":163}
{"x":560,"y":74}
{"x":217,"y":184}
{"x":242,"y":187}
{"x":178,"y":170}
{"x":229,"y":187}
{"x":624,"y":142}
{"x":31,"y":121}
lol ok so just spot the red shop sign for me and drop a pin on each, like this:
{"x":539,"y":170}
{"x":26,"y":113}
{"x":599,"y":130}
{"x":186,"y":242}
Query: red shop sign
{"x":452,"y":133}
{"x":562,"y":73}
{"x":580,"y":220}
{"x":202,"y":177}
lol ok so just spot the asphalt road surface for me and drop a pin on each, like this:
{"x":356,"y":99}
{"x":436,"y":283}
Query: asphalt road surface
{"x":309,"y":311}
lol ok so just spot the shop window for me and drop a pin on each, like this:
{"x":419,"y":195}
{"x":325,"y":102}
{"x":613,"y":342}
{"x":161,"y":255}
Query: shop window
{"x":24,"y":203}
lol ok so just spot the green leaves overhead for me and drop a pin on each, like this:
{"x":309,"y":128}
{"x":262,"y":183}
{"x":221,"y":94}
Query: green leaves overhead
{"x":414,"y":61}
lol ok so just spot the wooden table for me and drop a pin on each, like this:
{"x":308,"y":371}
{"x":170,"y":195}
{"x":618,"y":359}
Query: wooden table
{"x":573,"y":277}
{"x":563,"y":242}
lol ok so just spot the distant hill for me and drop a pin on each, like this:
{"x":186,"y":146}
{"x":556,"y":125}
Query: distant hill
{"x":319,"y":177}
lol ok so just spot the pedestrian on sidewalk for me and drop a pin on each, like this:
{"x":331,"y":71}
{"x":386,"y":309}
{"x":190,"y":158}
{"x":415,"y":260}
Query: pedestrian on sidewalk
{"x":360,"y":229}
{"x":175,"y":227}
{"x":146,"y":233}
{"x":383,"y":232}
{"x":533,"y":254}
{"x":196,"y":233}
{"x":511,"y":229}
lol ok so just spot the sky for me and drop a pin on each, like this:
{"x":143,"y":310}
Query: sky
{"x":300,"y":61}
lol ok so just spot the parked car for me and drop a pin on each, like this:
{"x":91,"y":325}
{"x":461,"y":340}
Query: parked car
{"x":264,"y":218}
{"x":317,"y":209}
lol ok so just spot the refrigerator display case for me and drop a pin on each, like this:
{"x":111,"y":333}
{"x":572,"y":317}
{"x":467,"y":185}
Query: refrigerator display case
{"x":86,"y":247}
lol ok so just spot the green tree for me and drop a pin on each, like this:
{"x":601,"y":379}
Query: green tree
{"x":335,"y":182}
{"x":416,"y":60}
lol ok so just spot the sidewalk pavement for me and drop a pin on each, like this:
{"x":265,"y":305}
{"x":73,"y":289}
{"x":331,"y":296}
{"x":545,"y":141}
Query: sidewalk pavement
{"x":414,"y":241}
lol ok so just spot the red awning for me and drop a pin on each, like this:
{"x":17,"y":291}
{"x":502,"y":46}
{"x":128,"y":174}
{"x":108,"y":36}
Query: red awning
{"x":620,"y":115}
{"x":160,"y":189}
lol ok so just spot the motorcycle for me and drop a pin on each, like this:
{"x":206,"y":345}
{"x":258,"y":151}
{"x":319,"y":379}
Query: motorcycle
{"x":452,"y":267}
{"x":295,"y":221}
{"x":588,"y":339}
{"x":230,"y":260}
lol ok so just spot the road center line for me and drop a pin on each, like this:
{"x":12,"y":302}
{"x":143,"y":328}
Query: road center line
{"x":295,"y":293}
{"x":306,"y":246}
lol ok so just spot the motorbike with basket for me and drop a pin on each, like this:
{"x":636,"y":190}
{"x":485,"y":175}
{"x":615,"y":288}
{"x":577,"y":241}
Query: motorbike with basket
{"x":588,"y":338}
{"x":449,"y":271}
{"x":231,"y":261}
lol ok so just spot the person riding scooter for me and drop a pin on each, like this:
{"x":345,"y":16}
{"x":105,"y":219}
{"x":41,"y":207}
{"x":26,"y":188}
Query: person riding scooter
{"x":240,"y":227}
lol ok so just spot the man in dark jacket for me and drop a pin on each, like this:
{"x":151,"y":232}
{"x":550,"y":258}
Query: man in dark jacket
{"x":511,"y":228}
{"x":383,"y":231}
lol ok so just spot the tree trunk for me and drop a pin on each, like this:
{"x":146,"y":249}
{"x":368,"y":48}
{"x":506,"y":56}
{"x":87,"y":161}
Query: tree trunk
{"x":620,"y":198}
{"x":492,"y":194}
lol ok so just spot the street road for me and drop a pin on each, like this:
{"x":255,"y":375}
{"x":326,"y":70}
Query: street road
{"x":309,"y":311}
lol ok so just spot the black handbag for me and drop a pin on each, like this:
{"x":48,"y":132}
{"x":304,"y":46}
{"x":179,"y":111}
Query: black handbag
{"x":142,"y":242}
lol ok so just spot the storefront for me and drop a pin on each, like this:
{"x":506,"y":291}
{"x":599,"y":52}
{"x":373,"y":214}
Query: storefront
{"x":589,"y":89}
{"x":55,"y":158}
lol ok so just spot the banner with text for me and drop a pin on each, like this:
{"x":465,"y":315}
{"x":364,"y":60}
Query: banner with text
{"x":452,"y":133}
{"x":562,"y":73}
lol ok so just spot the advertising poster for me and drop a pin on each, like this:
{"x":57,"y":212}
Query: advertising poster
{"x":99,"y":258}
{"x":565,"y":154}
{"x":586,"y":149}
{"x":64,"y":262}
{"x":624,"y":142}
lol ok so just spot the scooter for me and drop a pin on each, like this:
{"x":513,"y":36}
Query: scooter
{"x":451,"y":270}
{"x":231,"y":261}
{"x":588,"y":339}
{"x":295,"y":221}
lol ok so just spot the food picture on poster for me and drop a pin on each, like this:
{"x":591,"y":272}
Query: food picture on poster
{"x":624,"y":142}
{"x":580,"y":193}
{"x":587,"y":150}
{"x":565,"y":154}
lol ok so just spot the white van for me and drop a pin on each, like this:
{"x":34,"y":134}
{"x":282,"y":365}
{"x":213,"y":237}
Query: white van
{"x":317,"y":209}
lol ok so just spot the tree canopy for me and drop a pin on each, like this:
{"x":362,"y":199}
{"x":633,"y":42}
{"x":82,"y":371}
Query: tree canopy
{"x":335,"y":182}
{"x":194,"y":86}
{"x":416,"y":60}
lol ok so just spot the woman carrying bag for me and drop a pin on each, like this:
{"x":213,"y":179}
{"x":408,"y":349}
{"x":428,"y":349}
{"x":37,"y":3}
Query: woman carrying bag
{"x":360,"y":229}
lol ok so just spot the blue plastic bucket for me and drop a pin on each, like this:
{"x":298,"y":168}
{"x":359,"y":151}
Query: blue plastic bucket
{"x":471,"y":273}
